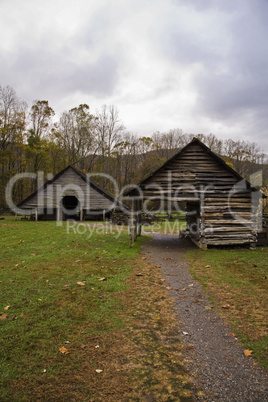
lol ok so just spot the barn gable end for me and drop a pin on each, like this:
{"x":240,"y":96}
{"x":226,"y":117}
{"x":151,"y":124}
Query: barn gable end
{"x":53,"y":198}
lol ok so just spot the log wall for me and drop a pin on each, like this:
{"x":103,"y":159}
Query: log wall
{"x":226,"y":214}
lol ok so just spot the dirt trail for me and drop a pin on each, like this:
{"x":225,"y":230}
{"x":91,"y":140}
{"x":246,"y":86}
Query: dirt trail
{"x":215,"y":359}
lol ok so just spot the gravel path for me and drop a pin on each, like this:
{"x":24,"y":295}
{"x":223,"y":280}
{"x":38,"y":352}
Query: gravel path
{"x":215,"y":359}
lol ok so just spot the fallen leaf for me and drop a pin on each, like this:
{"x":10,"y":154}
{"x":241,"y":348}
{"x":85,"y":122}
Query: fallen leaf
{"x":101,"y":296}
{"x":67,"y":286}
{"x":44,"y":371}
{"x":163,"y":280}
{"x":208,"y":307}
{"x":6,"y":308}
{"x":77,"y":260}
{"x":66,"y":342}
{"x":226,"y":306}
{"x":63,"y":350}
{"x":11,"y":280}
{"x":248,"y":352}
{"x":208,"y":266}
{"x":143,"y":258}
{"x":236,"y":261}
{"x":232,"y":335}
{"x":97,"y":346}
{"x":103,"y":279}
{"x":83,"y":346}
{"x":191,"y":285}
{"x":168,"y":288}
{"x":157,"y":266}
{"x":184,"y":289}
{"x":191,"y":346}
{"x":139,"y":274}
{"x":81,"y":283}
{"x":22,"y":315}
{"x":99,"y":371}
{"x":3,"y":316}
{"x":185,"y":333}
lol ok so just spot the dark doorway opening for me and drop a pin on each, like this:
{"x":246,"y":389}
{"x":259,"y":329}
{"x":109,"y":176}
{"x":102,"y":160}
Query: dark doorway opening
{"x":70,"y":207}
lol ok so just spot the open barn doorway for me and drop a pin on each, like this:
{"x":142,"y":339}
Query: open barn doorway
{"x":70,"y":206}
{"x":174,"y":216}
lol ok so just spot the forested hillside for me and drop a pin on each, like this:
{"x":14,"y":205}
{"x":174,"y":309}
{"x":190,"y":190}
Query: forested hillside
{"x":32,"y":140}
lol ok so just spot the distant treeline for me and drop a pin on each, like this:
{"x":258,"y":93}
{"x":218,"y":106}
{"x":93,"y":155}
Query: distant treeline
{"x":31,"y":141}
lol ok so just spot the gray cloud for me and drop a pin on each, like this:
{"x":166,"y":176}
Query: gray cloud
{"x":201,"y":64}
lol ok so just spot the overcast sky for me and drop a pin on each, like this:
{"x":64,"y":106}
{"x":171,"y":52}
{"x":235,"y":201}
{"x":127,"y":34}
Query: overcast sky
{"x":197,"y":65}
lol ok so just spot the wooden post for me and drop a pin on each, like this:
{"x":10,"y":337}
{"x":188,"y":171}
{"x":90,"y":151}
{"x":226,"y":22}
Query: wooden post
{"x":135,"y":221}
{"x":131,"y":226}
{"x":254,"y":220}
{"x":139,"y":218}
{"x":81,"y":214}
{"x":203,"y":243}
{"x":58,"y":213}
{"x":36,"y":214}
{"x":103,"y":215}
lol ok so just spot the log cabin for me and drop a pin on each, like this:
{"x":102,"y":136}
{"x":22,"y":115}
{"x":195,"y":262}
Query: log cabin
{"x":71,"y":194}
{"x":222,"y":208}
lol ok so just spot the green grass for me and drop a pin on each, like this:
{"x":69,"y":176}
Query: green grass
{"x":120,"y":333}
{"x":163,"y":226}
{"x":238,"y":279}
{"x":166,"y":227}
{"x":39,"y":270}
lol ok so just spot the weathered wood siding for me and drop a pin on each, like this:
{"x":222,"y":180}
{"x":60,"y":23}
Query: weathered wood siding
{"x":226,"y":212}
{"x":71,"y":184}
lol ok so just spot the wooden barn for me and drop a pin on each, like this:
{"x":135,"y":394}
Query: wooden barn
{"x":69,"y":195}
{"x":221,"y":207}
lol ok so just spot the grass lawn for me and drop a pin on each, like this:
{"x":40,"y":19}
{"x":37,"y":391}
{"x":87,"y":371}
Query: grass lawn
{"x":237,"y":283}
{"x":83,"y":317}
{"x":165,"y":227}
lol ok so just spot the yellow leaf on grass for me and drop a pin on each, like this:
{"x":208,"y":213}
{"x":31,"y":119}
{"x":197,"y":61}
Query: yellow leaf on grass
{"x":63,"y":350}
{"x":248,"y":352}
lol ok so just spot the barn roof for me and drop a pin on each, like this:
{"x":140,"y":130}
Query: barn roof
{"x":88,"y":182}
{"x":177,"y":156}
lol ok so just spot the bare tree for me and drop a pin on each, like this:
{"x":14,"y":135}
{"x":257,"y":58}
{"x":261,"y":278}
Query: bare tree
{"x":41,"y":118}
{"x":109,"y":129}
{"x":12,"y":116}
{"x":76,"y":134}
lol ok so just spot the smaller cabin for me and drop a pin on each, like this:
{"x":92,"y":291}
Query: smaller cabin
{"x":71,"y":194}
